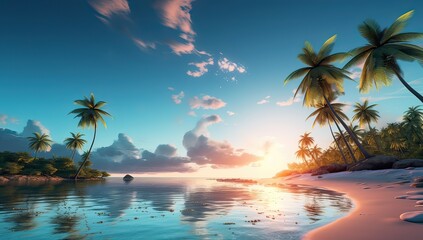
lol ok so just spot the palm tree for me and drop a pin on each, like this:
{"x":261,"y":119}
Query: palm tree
{"x":89,"y":115}
{"x":413,"y":124}
{"x":306,"y":140}
{"x":365,"y":114}
{"x":322,"y":80}
{"x":325,"y":116}
{"x":39,"y":142}
{"x":74,"y":143}
{"x":380,"y":56}
{"x":303,"y":153}
{"x":315,"y":153}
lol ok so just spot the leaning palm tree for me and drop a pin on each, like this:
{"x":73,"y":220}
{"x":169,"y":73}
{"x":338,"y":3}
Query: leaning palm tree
{"x":365,"y":114}
{"x":321,"y":79}
{"x":39,"y":143}
{"x":380,"y":56}
{"x":324,"y":116}
{"x":74,"y":143}
{"x":89,"y":115}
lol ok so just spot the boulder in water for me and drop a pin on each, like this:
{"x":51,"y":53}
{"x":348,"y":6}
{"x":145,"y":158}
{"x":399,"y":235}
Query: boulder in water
{"x":128,"y":178}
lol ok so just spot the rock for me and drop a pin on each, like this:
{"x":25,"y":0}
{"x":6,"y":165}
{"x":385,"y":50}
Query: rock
{"x":406,"y":163}
{"x":417,"y":185}
{"x":3,"y":180}
{"x":332,"y":168}
{"x":415,"y":216}
{"x":374,"y":163}
{"x":409,"y":168}
{"x":418,"y":179}
{"x":128,"y":178}
{"x":420,"y":202}
{"x":415,"y":197}
{"x":401,"y":197}
{"x":414,"y":193}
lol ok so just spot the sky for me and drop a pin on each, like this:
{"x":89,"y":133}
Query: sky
{"x":195,"y":88}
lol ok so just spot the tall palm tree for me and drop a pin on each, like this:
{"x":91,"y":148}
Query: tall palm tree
{"x":321,"y":79}
{"x":39,"y":143}
{"x":325,"y":116}
{"x":412,"y":124}
{"x":365,"y":113}
{"x":74,"y":143}
{"x":89,"y":115}
{"x":380,"y":56}
{"x":315,"y":153}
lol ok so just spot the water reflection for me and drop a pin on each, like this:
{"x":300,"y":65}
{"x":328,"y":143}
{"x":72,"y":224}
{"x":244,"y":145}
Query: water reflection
{"x":165,"y":208}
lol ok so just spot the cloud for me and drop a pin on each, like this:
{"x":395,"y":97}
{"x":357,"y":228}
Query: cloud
{"x":116,"y":14}
{"x":3,"y":119}
{"x":207,"y":102}
{"x":17,"y":142}
{"x":170,"y":88}
{"x":177,"y":98}
{"x":124,"y":157}
{"x":227,"y":66}
{"x":192,"y":113}
{"x":204,"y":151}
{"x":33,"y":126}
{"x":291,"y":100}
{"x":264,"y":101}
{"x":175,"y":14}
{"x":230,"y":113}
{"x":201,"y":68}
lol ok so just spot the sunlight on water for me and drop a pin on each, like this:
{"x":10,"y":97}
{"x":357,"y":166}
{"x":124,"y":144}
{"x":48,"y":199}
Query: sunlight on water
{"x":165,"y":208}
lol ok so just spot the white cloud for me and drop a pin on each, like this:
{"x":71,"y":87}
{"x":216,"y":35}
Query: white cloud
{"x":207,"y":102}
{"x":227,"y":66}
{"x":264,"y":101}
{"x":170,"y":88}
{"x":291,"y":100}
{"x":230,"y":113}
{"x":3,"y":119}
{"x":192,"y":114}
{"x":177,"y":98}
{"x":201,"y":68}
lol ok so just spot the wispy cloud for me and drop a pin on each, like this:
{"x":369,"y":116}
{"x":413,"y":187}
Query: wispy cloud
{"x":192,"y":114}
{"x":177,"y":98}
{"x":207,"y":102}
{"x":230,"y":113}
{"x":171,"y":88}
{"x":3,"y":119}
{"x":290,"y":101}
{"x":264,"y":100}
{"x":225,"y":65}
{"x":201,"y":68}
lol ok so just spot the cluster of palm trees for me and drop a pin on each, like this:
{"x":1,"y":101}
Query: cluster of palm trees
{"x":322,"y":81}
{"x":90,"y":114}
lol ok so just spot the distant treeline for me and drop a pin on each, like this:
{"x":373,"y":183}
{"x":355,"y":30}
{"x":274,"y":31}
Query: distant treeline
{"x":22,"y":163}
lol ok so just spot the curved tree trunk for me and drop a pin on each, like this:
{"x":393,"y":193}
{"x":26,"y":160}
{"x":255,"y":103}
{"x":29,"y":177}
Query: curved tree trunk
{"x":406,"y":85}
{"x":337,"y":144}
{"x":88,"y":153}
{"x":354,"y":138}
{"x":345,"y":140}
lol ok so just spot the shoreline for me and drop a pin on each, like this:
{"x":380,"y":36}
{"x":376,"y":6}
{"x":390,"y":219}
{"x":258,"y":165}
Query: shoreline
{"x":27,"y":179}
{"x":376,"y":212}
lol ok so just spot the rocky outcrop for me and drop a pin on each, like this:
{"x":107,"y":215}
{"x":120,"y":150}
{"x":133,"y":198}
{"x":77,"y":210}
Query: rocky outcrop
{"x":128,"y":178}
{"x":375,"y":163}
{"x":332,"y":168}
{"x":23,"y":179}
{"x":405,"y":163}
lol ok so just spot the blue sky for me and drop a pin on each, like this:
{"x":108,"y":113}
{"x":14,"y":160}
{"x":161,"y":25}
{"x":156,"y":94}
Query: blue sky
{"x":136,"y":55}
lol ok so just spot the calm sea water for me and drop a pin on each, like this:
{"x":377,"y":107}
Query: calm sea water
{"x":165,"y":208}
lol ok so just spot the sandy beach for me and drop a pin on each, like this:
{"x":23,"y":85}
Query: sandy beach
{"x":377,"y":208}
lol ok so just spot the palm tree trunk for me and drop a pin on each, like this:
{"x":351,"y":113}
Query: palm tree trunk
{"x":88,"y":153}
{"x":354,"y":138}
{"x":337,"y":144}
{"x":35,"y":155}
{"x":374,"y":136}
{"x":345,"y":140}
{"x":73,"y":155}
{"x":406,"y":85}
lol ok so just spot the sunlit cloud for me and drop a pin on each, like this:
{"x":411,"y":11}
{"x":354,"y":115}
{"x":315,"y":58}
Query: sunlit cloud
{"x":207,"y":102}
{"x":225,"y":65}
{"x":230,"y":113}
{"x":201,"y":68}
{"x":291,"y":100}
{"x":204,"y":151}
{"x":106,"y":9}
{"x":264,"y":100}
{"x":192,"y":114}
{"x":177,"y":98}
{"x":171,"y":88}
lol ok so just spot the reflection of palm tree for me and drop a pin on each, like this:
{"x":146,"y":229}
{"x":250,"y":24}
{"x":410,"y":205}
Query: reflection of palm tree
{"x":76,"y":142}
{"x":322,"y":80}
{"x":380,"y":56}
{"x":89,"y":115}
{"x":39,"y":142}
